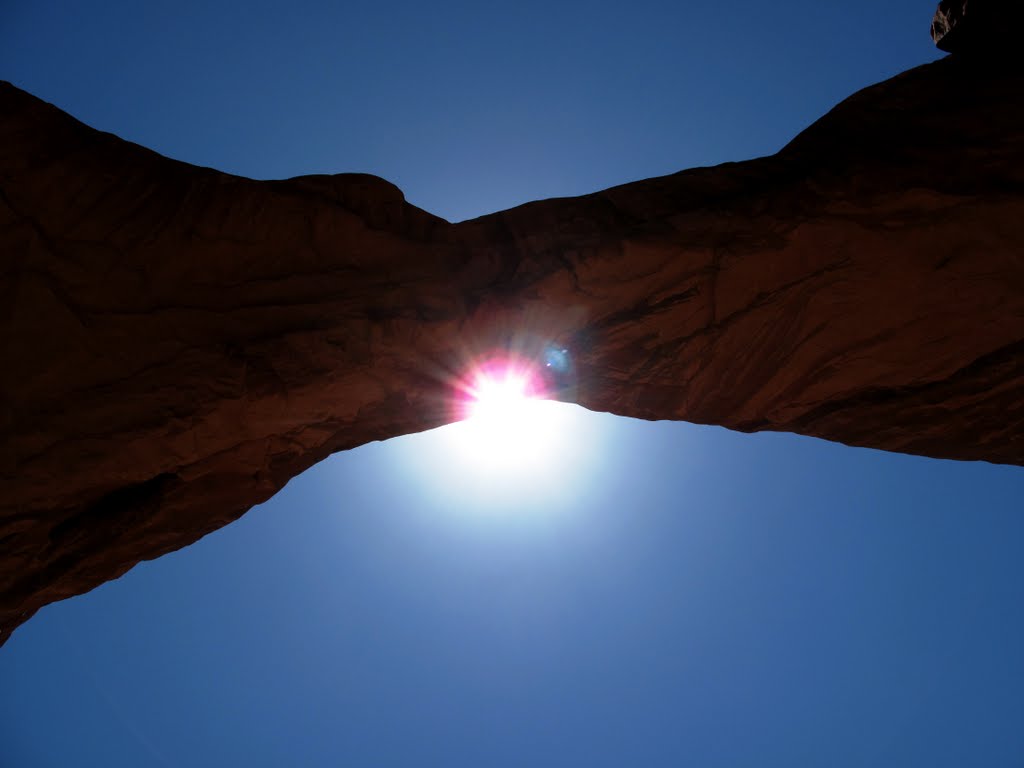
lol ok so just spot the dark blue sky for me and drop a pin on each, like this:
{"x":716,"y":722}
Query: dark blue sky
{"x":665,"y":594}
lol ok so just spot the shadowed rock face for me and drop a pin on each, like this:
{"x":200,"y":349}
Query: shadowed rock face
{"x":978,"y":27}
{"x":178,"y":342}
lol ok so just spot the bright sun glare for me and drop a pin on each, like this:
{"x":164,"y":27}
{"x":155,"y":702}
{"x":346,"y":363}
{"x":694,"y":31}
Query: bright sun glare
{"x":505,"y":420}
{"x":510,"y":443}
{"x":509,"y":429}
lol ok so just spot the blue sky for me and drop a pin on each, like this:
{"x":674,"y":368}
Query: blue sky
{"x":663,"y":594}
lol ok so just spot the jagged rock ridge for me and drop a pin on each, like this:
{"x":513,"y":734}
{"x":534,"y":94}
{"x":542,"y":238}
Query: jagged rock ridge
{"x":179,"y":342}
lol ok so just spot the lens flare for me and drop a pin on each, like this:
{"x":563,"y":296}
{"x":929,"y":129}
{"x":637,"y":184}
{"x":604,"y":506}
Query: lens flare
{"x":498,"y":399}
{"x":512,"y":446}
{"x":501,"y":381}
{"x":504,"y":420}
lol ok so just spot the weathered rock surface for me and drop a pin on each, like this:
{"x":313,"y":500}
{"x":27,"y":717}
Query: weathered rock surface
{"x":178,"y":342}
{"x":979,"y":27}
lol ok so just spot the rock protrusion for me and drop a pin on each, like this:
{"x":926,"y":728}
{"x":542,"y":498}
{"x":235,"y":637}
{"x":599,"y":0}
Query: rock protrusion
{"x":980,"y":27}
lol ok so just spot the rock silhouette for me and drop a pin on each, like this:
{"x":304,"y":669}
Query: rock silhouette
{"x":178,"y":342}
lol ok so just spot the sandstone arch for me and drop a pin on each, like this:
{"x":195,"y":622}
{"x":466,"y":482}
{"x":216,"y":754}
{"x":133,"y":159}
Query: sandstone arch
{"x":179,"y":342}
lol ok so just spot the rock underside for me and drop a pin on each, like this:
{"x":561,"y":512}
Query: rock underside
{"x":178,"y":343}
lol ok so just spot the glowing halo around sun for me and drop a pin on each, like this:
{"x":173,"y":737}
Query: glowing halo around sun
{"x":506,"y":424}
{"x":510,"y":447}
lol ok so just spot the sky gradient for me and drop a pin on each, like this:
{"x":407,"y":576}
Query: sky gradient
{"x":661,"y":594}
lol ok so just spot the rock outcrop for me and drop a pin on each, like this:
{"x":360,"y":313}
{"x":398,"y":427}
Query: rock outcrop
{"x":178,"y":342}
{"x":990,"y":28}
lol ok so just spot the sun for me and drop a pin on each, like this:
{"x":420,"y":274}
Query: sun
{"x":505,"y":423}
{"x":498,"y":397}
{"x":511,"y":446}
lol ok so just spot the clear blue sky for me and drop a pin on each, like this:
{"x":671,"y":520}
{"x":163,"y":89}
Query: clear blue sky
{"x":672,"y":595}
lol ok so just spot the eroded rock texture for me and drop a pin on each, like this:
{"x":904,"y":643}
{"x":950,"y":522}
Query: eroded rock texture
{"x":178,"y":343}
{"x":979,"y":27}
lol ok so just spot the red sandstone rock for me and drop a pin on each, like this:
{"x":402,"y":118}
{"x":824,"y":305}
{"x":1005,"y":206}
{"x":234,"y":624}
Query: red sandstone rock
{"x":178,"y":342}
{"x":979,"y":27}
